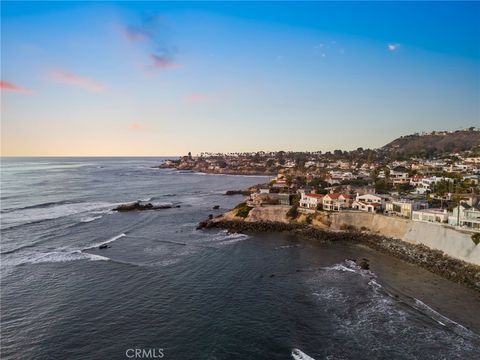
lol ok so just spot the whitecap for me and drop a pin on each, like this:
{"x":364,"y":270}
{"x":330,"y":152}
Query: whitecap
{"x":32,"y":215}
{"x":443,"y":320}
{"x":116,"y":237}
{"x":90,"y":219}
{"x":298,"y":354}
{"x":53,"y":257}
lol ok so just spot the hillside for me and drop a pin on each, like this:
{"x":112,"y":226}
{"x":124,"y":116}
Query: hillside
{"x":435,"y":143}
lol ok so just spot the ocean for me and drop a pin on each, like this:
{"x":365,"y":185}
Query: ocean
{"x":163,"y":289}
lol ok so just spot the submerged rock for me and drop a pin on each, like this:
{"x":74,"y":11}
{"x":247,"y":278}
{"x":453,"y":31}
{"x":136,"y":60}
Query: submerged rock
{"x":364,"y":264}
{"x":216,"y":207}
{"x":103,"y":246}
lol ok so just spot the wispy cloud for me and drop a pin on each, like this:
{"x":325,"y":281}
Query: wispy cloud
{"x":69,"y":78}
{"x":196,"y":98}
{"x":393,"y":46}
{"x":163,"y":62}
{"x":5,"y":85}
{"x":151,"y":30}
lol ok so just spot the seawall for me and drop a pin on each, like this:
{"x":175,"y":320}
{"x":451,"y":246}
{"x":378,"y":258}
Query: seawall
{"x":456,"y":244}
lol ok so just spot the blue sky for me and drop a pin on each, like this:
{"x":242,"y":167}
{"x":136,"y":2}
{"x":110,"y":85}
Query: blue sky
{"x":167,"y":78}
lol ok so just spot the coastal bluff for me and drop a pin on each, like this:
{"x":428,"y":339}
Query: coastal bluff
{"x":453,"y":243}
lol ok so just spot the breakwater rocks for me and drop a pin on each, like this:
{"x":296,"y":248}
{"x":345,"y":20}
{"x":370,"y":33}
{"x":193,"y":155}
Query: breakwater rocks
{"x":432,"y":260}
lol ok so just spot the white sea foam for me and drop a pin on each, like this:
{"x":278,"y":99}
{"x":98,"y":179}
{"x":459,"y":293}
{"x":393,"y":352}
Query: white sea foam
{"x":25,"y":216}
{"x":224,"y":238}
{"x":300,"y":355}
{"x":341,"y":267}
{"x":116,"y":237}
{"x":52,"y":257}
{"x":443,"y":320}
{"x":90,"y":219}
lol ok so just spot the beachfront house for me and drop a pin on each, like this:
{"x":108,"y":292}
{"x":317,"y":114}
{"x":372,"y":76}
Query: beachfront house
{"x":336,"y":202}
{"x":369,"y":203}
{"x":311,"y":201}
{"x":404,"y":207}
{"x":465,"y":216}
{"x":430,"y":215}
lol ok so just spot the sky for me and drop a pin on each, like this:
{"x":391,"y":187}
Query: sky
{"x":167,"y":78}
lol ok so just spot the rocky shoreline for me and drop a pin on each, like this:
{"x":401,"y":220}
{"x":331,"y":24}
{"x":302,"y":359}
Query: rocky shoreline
{"x":433,"y":260}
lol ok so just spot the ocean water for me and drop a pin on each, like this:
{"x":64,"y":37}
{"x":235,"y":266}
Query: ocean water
{"x":167,"y":289}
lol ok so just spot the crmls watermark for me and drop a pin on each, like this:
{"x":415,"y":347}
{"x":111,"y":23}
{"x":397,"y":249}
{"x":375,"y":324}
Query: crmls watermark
{"x":144,"y":353}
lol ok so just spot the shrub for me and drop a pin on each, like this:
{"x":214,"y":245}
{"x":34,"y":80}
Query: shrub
{"x":293,"y":212}
{"x":476,"y":238}
{"x":242,"y":210}
{"x":309,"y":219}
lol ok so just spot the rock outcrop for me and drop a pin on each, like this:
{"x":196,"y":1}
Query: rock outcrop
{"x":138,"y":205}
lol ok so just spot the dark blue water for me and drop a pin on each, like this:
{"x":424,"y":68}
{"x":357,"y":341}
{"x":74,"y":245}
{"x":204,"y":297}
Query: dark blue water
{"x":194,"y":294}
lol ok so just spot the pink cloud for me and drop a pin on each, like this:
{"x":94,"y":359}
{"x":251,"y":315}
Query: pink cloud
{"x":136,"y":126}
{"x":68,"y":78}
{"x":5,"y":85}
{"x":196,"y":98}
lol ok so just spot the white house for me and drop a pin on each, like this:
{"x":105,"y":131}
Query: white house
{"x":465,"y":216}
{"x":336,"y":202}
{"x":368,"y":203}
{"x":430,"y":215}
{"x":311,"y":201}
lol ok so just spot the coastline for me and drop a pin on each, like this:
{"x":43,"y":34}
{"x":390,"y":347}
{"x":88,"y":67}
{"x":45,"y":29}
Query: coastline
{"x":225,"y":171}
{"x":432,"y":260}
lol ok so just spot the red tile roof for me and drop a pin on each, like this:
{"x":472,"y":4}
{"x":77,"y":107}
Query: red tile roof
{"x":318,"y":196}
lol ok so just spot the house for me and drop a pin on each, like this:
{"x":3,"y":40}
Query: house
{"x":369,"y":203}
{"x":336,"y":202}
{"x":425,"y":184}
{"x":404,"y":207}
{"x":399,"y":175}
{"x":311,"y":201}
{"x":465,"y":216}
{"x":430,"y":215}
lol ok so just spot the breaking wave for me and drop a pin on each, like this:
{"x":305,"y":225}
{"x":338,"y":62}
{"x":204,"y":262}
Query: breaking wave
{"x":53,"y":257}
{"x":298,"y":354}
{"x":42,"y":213}
{"x":105,"y":242}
